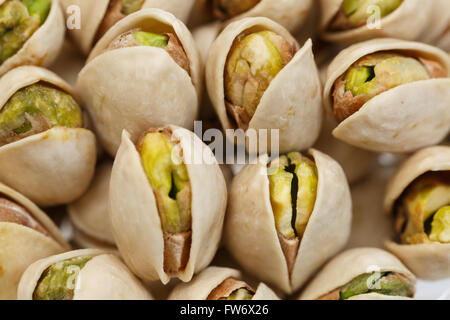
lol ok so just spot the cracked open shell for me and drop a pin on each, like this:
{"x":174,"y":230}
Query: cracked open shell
{"x":353,"y":275}
{"x":136,"y":87}
{"x":43,"y":46}
{"x":27,"y":234}
{"x":407,"y":117}
{"x":51,"y":167}
{"x":396,"y":24}
{"x":253,"y":237}
{"x":427,"y":259}
{"x":139,"y":224}
{"x":96,"y":17}
{"x":89,"y":214}
{"x":217,"y":283}
{"x":87,"y":274}
{"x":290,"y":103}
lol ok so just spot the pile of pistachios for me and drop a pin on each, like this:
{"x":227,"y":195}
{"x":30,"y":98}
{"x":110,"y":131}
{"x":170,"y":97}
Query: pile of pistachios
{"x":321,"y":170}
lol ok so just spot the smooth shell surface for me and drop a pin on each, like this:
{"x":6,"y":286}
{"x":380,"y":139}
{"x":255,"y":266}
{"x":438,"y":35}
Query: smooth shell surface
{"x":135,"y":88}
{"x":53,"y":167}
{"x":350,"y":264}
{"x":134,"y":215}
{"x":402,"y":119}
{"x":43,"y":47}
{"x":395,"y":25}
{"x":202,"y":285}
{"x":20,"y":246}
{"x":291,"y":103}
{"x":430,"y":260}
{"x":104,"y":277}
{"x":251,"y":237}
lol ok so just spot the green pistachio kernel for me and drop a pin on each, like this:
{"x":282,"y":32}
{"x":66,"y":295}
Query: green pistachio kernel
{"x":440,"y":227}
{"x":130,"y":6}
{"x":232,"y":8}
{"x":170,"y":182}
{"x":385,"y":283}
{"x":239,"y":295}
{"x":358,"y":11}
{"x":253,"y":62}
{"x":293,"y":187}
{"x":19,"y":20}
{"x":150,"y":39}
{"x":37,"y":108}
{"x":59,"y":280}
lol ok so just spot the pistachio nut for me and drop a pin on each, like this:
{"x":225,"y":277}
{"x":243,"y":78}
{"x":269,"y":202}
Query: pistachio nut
{"x":224,"y":9}
{"x":418,"y":196}
{"x":387,"y":95}
{"x":31,"y":33}
{"x":362,"y":274}
{"x":97,"y":17}
{"x":173,"y":204}
{"x":42,"y":129}
{"x":218,"y":283}
{"x":351,"y":21}
{"x":287,"y":198}
{"x":147,"y":45}
{"x":28,"y":234}
{"x":250,"y":74}
{"x":87,"y":274}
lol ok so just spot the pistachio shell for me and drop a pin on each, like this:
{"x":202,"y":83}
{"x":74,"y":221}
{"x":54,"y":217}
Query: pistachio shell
{"x":43,"y":47}
{"x":89,"y":214}
{"x":395,"y":25}
{"x":347,"y":266}
{"x":250,"y":235}
{"x":140,"y":84}
{"x":427,"y":261}
{"x":439,"y":21}
{"x":134,"y":214}
{"x":289,"y":104}
{"x":202,"y":285}
{"x":104,"y":277}
{"x":402,"y":119}
{"x":93,"y":12}
{"x":20,"y":246}
{"x":53,"y":167}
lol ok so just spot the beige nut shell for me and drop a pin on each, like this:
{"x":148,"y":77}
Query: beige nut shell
{"x":400,"y":120}
{"x":134,"y":215}
{"x":20,"y":246}
{"x":43,"y":47}
{"x":53,"y":167}
{"x":135,"y":88}
{"x":395,"y":25}
{"x":104,"y":277}
{"x":431,"y":260}
{"x":201,"y":286}
{"x":251,"y":237}
{"x":291,"y":103}
{"x":89,"y":214}
{"x":347,"y":266}
{"x":91,"y":14}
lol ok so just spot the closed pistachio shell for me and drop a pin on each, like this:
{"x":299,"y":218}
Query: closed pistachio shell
{"x":20,"y":245}
{"x":251,"y":237}
{"x":43,"y":47}
{"x":92,"y":14}
{"x":52,"y":167}
{"x":134,"y":214}
{"x":89,"y":214}
{"x":350,"y":264}
{"x":140,"y":84}
{"x":204,"y":283}
{"x":103,"y":277}
{"x":291,"y":103}
{"x":400,"y":120}
{"x":429,"y":260}
{"x":395,"y":25}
